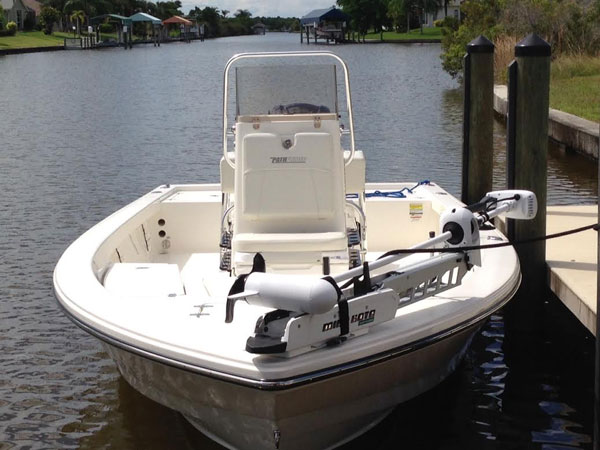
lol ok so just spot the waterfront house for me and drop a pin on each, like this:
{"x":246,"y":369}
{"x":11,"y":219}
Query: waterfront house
{"x":17,"y":11}
{"x":452,"y":8}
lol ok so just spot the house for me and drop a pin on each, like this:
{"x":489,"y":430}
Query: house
{"x":17,"y":11}
{"x":453,"y":7}
{"x":326,"y":23}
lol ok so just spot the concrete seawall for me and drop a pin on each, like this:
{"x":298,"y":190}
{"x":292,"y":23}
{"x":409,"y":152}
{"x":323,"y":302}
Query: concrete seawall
{"x":16,"y":51}
{"x":575,"y":133}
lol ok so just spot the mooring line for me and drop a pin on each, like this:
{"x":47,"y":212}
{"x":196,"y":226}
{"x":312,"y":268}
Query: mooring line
{"x":595,"y":226}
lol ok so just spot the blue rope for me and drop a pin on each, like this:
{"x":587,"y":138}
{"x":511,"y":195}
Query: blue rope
{"x":397,"y":194}
{"x":393,"y":194}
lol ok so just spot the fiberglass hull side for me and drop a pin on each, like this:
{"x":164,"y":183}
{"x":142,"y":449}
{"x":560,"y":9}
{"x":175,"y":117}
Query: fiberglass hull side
{"x":317,"y":415}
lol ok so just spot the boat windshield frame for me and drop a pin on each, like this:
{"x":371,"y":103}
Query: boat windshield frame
{"x":262,"y":55}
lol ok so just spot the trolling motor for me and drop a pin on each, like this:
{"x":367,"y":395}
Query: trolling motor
{"x":317,"y":307}
{"x":462,"y":223}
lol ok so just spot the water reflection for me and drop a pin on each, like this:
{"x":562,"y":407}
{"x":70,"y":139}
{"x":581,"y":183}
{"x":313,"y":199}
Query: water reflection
{"x":79,"y":144}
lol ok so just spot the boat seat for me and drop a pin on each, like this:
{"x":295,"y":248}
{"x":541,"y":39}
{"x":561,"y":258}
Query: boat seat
{"x":289,"y":192}
{"x":287,"y":184}
{"x":293,"y":242}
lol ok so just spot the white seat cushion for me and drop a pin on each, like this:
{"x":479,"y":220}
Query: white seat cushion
{"x":289,"y":242}
{"x":144,"y":279}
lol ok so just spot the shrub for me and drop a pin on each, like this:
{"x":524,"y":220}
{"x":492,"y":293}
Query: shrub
{"x":450,"y":22}
{"x":447,"y":22}
{"x":11,"y":27}
{"x":48,"y":16}
{"x":480,"y":17}
{"x":106,"y":28}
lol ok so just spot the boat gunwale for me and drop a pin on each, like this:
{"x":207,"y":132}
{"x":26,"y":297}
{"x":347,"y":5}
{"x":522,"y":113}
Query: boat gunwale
{"x":298,"y":380}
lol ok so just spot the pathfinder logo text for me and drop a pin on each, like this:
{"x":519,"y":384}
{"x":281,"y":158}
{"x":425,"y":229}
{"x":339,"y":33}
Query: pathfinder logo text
{"x":288,"y":159}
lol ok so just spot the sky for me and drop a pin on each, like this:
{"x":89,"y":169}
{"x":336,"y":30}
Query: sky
{"x":267,"y":8}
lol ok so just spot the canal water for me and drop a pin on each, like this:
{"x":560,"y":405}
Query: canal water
{"x":84,"y":133}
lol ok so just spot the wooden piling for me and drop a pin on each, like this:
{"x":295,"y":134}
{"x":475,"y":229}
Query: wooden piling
{"x":528,"y":161}
{"x":478,"y":120}
{"x":597,"y":355}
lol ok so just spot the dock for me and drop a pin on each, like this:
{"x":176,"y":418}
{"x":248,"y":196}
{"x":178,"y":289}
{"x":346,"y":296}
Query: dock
{"x":572,"y":260}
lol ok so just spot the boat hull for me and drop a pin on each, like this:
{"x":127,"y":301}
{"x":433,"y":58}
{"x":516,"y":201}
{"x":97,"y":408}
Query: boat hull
{"x":317,"y":415}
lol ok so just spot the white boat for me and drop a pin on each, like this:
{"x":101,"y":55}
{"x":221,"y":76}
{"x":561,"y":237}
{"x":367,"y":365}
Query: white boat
{"x":268,"y":308}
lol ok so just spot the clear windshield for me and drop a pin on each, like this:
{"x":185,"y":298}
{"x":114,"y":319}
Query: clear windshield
{"x":289,"y":89}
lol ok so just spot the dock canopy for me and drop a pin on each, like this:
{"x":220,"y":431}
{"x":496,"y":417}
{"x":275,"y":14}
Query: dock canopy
{"x":143,"y":17}
{"x":178,"y":20}
{"x":109,"y":18}
{"x":329,"y":14}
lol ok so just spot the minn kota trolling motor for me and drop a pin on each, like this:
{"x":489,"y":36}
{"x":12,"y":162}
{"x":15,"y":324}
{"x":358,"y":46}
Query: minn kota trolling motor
{"x":311,"y":312}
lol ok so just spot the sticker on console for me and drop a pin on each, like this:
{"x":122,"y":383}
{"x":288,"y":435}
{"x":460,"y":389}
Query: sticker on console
{"x":415,"y":211}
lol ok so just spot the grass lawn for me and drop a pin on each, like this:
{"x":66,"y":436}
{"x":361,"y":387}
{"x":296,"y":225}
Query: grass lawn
{"x":575,"y":86}
{"x":428,"y":33}
{"x":27,"y":39}
{"x":577,"y":95}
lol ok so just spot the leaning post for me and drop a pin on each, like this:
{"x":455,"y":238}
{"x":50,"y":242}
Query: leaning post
{"x":478,"y":120}
{"x":527,"y":152}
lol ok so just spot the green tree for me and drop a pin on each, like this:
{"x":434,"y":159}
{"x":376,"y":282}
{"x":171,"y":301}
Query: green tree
{"x":209,"y":16}
{"x":48,"y":17}
{"x":164,"y":10}
{"x":1,"y":17}
{"x":365,"y":14}
{"x":479,"y":17}
{"x":78,"y":17}
{"x":399,"y":12}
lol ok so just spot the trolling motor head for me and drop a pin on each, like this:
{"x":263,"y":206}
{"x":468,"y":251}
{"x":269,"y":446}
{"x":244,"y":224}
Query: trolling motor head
{"x":463,"y":226}
{"x":463,"y":222}
{"x":518,"y":204}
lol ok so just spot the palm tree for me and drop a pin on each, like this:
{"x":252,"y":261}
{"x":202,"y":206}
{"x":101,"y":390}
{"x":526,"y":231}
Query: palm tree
{"x":77,"y":16}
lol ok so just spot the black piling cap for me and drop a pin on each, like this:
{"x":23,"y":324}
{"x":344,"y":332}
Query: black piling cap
{"x":533,"y":45}
{"x":480,"y":44}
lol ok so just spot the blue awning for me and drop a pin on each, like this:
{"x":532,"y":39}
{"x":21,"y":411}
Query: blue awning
{"x":329,"y":14}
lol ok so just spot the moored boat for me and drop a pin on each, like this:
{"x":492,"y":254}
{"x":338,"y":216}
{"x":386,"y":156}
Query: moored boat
{"x":293,"y":304}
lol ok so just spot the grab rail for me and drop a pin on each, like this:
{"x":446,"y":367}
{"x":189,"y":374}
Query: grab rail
{"x":250,"y":55}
